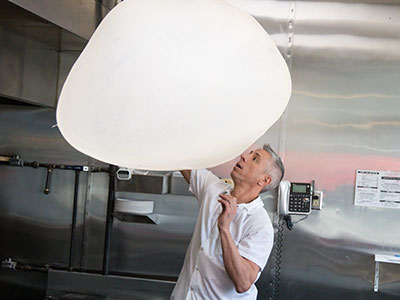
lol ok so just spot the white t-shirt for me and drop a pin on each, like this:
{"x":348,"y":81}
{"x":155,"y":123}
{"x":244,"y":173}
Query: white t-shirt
{"x":203,"y":275}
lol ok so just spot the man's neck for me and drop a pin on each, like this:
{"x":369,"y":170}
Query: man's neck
{"x":243,"y":194}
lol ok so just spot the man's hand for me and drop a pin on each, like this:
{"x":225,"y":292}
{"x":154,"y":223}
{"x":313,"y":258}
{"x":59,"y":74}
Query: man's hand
{"x":243,"y":272}
{"x":229,"y":208}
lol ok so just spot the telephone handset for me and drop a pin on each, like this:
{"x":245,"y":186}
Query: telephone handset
{"x":294,"y":198}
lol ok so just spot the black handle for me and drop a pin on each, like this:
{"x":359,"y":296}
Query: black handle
{"x":47,"y":187}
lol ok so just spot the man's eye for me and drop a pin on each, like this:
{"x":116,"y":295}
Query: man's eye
{"x":254,"y":158}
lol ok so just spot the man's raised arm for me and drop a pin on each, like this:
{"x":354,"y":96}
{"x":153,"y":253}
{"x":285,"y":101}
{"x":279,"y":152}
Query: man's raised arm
{"x":186,"y":174}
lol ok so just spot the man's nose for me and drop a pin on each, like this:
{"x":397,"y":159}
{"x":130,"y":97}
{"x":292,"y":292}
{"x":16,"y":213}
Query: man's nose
{"x":242,"y":157}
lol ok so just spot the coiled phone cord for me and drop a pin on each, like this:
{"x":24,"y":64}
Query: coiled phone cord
{"x":278,"y":259}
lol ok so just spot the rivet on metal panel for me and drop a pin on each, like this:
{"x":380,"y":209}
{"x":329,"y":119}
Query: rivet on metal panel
{"x":291,"y":19}
{"x":289,"y":58}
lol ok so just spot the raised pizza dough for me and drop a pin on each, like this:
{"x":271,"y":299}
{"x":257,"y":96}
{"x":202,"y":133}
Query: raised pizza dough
{"x":173,"y":84}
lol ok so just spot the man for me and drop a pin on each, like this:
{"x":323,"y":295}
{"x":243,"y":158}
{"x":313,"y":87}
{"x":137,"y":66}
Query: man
{"x":233,"y":236}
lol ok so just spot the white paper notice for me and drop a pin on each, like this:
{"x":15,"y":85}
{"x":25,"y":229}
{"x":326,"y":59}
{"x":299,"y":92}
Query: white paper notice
{"x":377,"y":188}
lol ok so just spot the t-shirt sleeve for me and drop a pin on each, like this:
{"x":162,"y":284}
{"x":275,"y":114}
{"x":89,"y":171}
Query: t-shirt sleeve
{"x":257,"y":244}
{"x":200,"y":180}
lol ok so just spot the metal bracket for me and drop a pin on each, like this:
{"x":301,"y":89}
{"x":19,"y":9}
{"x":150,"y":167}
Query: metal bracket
{"x":317,"y":200}
{"x":8,"y":264}
{"x":386,"y":258}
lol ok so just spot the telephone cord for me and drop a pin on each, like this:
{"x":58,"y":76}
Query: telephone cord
{"x":277,"y":259}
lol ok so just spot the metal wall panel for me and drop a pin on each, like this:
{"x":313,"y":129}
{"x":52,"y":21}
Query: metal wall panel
{"x":80,"y":17}
{"x":36,"y":227}
{"x":344,"y":114}
{"x":35,"y":55}
{"x":67,"y":60}
{"x":155,"y":249}
{"x":28,"y":69}
{"x":79,"y":286}
{"x":95,"y":222}
{"x":30,"y":133}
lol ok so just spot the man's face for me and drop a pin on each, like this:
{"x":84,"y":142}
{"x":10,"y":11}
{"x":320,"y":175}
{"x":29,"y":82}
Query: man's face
{"x":250,"y":169}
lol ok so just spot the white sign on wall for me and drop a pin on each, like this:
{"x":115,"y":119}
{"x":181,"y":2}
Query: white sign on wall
{"x":377,"y":188}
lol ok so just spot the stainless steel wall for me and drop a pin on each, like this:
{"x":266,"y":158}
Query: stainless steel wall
{"x":36,"y":227}
{"x":344,"y":114}
{"x":35,"y":54}
{"x":28,"y":70}
{"x":78,"y":16}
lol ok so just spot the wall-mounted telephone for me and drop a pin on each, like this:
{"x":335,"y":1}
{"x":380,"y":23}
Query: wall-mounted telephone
{"x":295,"y":198}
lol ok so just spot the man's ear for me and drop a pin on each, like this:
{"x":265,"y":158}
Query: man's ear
{"x":265,"y":181}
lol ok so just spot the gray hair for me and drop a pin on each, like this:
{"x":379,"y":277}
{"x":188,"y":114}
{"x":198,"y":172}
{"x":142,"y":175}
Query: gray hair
{"x":275,"y":168}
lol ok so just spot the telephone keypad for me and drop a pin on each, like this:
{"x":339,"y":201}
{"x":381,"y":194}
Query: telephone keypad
{"x":299,"y":203}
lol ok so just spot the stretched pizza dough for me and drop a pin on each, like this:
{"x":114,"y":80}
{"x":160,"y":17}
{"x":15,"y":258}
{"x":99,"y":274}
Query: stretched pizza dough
{"x":173,"y":84}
